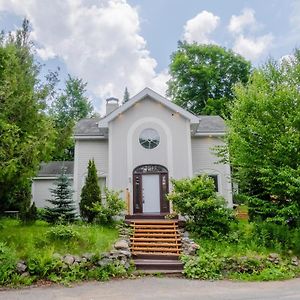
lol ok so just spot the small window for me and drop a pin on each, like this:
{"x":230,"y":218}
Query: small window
{"x":149,"y":138}
{"x":215,"y":179}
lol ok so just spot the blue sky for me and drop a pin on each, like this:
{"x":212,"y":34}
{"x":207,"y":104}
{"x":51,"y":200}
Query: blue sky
{"x":116,"y":43}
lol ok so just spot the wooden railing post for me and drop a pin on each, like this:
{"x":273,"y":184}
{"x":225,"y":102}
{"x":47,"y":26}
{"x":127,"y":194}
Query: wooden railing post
{"x":127,"y":198}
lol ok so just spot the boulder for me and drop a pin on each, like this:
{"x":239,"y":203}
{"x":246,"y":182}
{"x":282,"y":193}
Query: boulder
{"x":295,"y":261}
{"x":68,"y":259}
{"x":21,"y":267}
{"x":274,"y":258}
{"x":87,"y":256}
{"x":121,"y":245}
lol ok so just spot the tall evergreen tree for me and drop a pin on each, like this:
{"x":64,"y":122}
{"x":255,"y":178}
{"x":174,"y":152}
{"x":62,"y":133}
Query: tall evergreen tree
{"x":90,"y":193}
{"x":63,"y":207}
{"x":26,"y":132}
{"x":126,"y":96}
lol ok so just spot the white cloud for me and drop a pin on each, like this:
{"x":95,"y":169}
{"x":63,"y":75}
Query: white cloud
{"x":200,"y":27}
{"x":99,"y":41}
{"x":45,"y":53}
{"x":250,"y":46}
{"x":247,"y":19}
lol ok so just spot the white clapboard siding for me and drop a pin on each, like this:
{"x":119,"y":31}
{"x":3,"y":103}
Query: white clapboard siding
{"x":204,"y":160}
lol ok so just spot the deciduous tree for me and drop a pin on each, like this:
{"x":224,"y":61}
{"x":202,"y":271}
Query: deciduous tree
{"x":202,"y":77}
{"x":264,"y":141}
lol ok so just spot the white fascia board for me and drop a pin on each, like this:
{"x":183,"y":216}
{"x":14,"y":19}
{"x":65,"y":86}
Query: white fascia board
{"x":141,"y":95}
{"x":210,"y":134}
{"x":49,"y":177}
{"x":89,"y":137}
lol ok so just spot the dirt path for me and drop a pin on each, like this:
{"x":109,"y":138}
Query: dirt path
{"x":162,"y":288}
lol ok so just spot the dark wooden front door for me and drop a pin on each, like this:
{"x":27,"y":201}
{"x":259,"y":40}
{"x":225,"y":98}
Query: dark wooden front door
{"x":145,"y":170}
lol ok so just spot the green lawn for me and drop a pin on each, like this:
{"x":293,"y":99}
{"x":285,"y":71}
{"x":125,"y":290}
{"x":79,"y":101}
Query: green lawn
{"x":29,"y":240}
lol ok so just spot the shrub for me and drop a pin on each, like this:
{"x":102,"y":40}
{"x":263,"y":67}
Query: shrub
{"x":7,"y":263}
{"x":90,"y":193}
{"x":104,"y":214}
{"x":205,"y":266}
{"x":205,"y":211}
{"x":30,"y":215}
{"x":62,"y":233}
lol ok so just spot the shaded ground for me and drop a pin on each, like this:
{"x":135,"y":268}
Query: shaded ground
{"x":162,"y":288}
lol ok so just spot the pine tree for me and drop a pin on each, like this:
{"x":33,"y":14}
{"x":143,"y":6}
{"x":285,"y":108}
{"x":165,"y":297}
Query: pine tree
{"x":63,"y":208}
{"x":90,"y":193}
{"x":126,"y":95}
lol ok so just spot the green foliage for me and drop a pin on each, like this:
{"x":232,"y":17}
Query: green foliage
{"x":62,"y":233}
{"x":273,"y":235}
{"x":63,"y":208}
{"x":205,"y":266}
{"x":67,"y":109}
{"x":26,"y":131}
{"x":244,"y":255}
{"x":264,"y":142}
{"x":113,"y":207}
{"x":90,"y":193}
{"x":202,"y":77}
{"x":197,"y":200}
{"x":7,"y":263}
{"x":30,"y":215}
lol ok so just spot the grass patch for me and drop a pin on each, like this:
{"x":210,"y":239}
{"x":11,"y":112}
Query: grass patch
{"x":28,"y":240}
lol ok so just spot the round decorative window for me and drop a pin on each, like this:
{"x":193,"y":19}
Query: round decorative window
{"x":149,"y":138}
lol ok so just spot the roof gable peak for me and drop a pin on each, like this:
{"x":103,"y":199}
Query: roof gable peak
{"x":147,"y":92}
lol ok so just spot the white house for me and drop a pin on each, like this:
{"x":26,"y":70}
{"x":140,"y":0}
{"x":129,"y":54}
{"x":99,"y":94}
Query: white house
{"x":138,"y":147}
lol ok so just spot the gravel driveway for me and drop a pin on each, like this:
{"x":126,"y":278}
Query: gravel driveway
{"x":162,"y":288}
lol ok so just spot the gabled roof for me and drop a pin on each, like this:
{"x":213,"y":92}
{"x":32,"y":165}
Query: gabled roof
{"x":211,"y":124}
{"x":89,"y":127}
{"x":53,"y":168}
{"x":147,"y":92}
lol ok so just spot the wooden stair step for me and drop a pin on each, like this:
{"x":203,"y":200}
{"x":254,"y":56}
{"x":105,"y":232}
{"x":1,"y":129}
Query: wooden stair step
{"x":161,"y":249}
{"x":154,"y":222}
{"x":158,"y":264}
{"x":137,"y":226}
{"x":154,"y":254}
{"x":155,"y":231}
{"x":156,"y":244}
{"x":151,"y":235}
{"x":147,"y":239}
